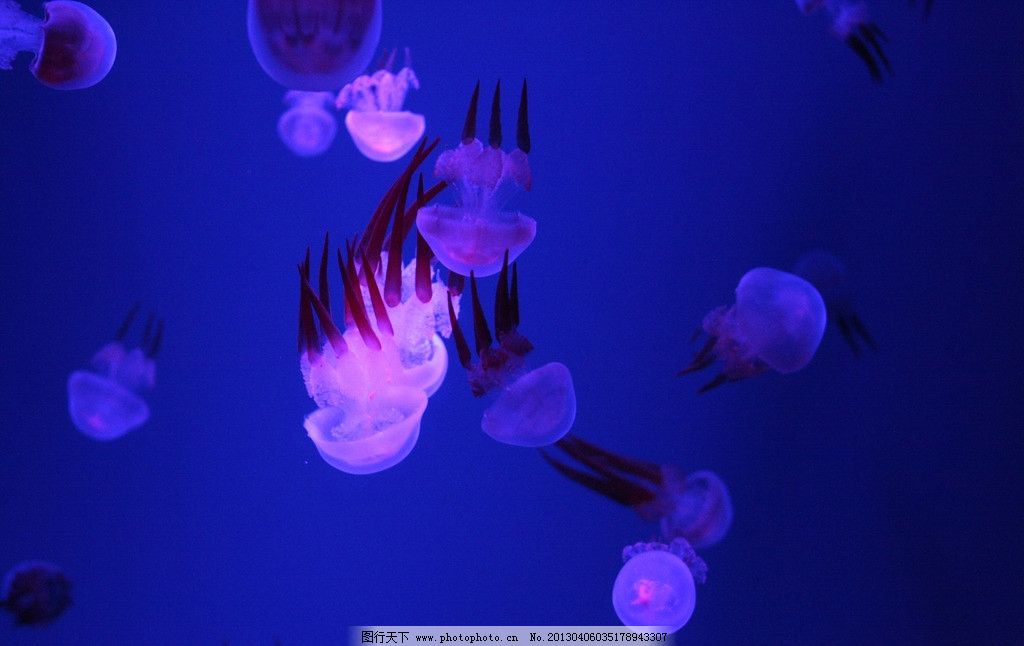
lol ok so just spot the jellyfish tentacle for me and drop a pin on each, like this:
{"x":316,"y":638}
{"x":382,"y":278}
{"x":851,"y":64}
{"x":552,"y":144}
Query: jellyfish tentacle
{"x":855,"y":43}
{"x":480,"y":329}
{"x":393,"y":279}
{"x":354,"y":301}
{"x":325,"y":295}
{"x":465,"y":358}
{"x":129,"y":318}
{"x":522,"y":123}
{"x":847,"y":333}
{"x":494,"y":134}
{"x":702,"y":359}
{"x":862,"y":330}
{"x":456,"y":283}
{"x":331,"y":330}
{"x":513,"y":299}
{"x":874,"y":36}
{"x":147,"y":330}
{"x":581,"y":449}
{"x":620,"y":491}
{"x":722,"y":378}
{"x":380,"y":312}
{"x":469,"y":128}
{"x":158,"y":337}
{"x":502,"y":305}
{"x":424,"y":254}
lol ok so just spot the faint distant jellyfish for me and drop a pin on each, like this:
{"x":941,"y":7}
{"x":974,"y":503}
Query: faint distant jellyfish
{"x":696,"y":507}
{"x":777,"y":323}
{"x":306,"y":127}
{"x":35,"y":592}
{"x":828,"y":274}
{"x":105,"y":403}
{"x":657,"y":584}
{"x":380,"y":129}
{"x":314,"y":45}
{"x":852,"y":25}
{"x":474,"y":234}
{"x":74,"y":47}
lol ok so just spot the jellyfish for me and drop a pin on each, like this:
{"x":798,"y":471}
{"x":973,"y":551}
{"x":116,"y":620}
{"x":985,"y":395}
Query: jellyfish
{"x":74,"y":47}
{"x":696,"y":507}
{"x":474,"y":234}
{"x":828,"y":275}
{"x":777,"y":323}
{"x":105,"y":402}
{"x":657,"y":584}
{"x":380,"y":129}
{"x":314,"y":45}
{"x":852,"y":25}
{"x":35,"y":592}
{"x":306,"y":127}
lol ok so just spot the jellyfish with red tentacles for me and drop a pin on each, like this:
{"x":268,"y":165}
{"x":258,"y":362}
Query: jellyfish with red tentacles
{"x":35,"y":593}
{"x":74,"y":47}
{"x":852,"y":24}
{"x":474,"y":234}
{"x":829,"y":276}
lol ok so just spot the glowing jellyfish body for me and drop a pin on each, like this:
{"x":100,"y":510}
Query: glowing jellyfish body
{"x":474,"y":234}
{"x":306,"y":128}
{"x":74,"y":47}
{"x":852,"y":25}
{"x":828,"y":275}
{"x":656,"y":586}
{"x":314,"y":45}
{"x":35,"y":593}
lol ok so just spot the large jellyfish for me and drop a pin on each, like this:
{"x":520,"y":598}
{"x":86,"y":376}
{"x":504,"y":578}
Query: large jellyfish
{"x":852,"y":25}
{"x":696,"y":507}
{"x":777,"y":322}
{"x":474,"y":234}
{"x":105,"y":402}
{"x":379,"y":127}
{"x":656,"y":585}
{"x":828,"y":275}
{"x":74,"y":47}
{"x":35,"y":592}
{"x":306,"y":127}
{"x":314,"y":45}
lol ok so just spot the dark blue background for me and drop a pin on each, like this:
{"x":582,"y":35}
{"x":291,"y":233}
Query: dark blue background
{"x":676,"y":145}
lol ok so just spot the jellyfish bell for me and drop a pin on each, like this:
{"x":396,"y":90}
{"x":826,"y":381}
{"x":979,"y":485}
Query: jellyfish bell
{"x":306,"y":128}
{"x":657,"y":585}
{"x":536,"y":410}
{"x":35,"y":592}
{"x":699,"y":511}
{"x":466,"y":244}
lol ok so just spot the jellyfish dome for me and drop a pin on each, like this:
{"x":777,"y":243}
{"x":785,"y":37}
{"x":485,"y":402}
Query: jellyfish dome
{"x":306,"y":128}
{"x":314,"y":45}
{"x":656,"y":586}
{"x":699,"y":511}
{"x":535,"y":410}
{"x":35,"y":592}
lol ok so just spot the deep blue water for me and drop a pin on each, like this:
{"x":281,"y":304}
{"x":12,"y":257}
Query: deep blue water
{"x":676,"y":146}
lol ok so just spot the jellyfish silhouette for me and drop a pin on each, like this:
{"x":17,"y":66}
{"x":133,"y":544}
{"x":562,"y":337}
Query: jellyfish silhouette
{"x":829,"y":276}
{"x":306,"y":128}
{"x":314,"y":45}
{"x":657,"y":584}
{"x":35,"y":593}
{"x":105,"y":403}
{"x":74,"y":47}
{"x":852,"y":25}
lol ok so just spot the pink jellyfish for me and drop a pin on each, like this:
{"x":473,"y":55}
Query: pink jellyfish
{"x":696,"y":507}
{"x":379,"y":127}
{"x":104,"y":403}
{"x":777,"y":322}
{"x":314,"y":45}
{"x":74,"y":46}
{"x":306,"y":128}
{"x":828,"y":275}
{"x":656,"y":585}
{"x":852,"y":25}
{"x":474,"y":234}
{"x":35,"y":592}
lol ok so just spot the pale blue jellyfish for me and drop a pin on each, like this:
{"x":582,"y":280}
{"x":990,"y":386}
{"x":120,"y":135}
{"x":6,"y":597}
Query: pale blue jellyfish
{"x":777,"y":323}
{"x":852,"y":25}
{"x":379,"y":127}
{"x":828,"y":274}
{"x":306,"y":128}
{"x":35,"y":593}
{"x":105,"y":402}
{"x":657,"y":584}
{"x":74,"y":47}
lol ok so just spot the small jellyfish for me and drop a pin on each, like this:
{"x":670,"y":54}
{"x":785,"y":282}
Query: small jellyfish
{"x":777,"y":323}
{"x":314,"y":45}
{"x":852,"y":25}
{"x":828,"y":275}
{"x":306,"y":127}
{"x":35,"y":592}
{"x":657,"y":584}
{"x":74,"y":47}
{"x":104,"y":403}
{"x":696,"y":507}
{"x":474,"y":234}
{"x":380,"y":129}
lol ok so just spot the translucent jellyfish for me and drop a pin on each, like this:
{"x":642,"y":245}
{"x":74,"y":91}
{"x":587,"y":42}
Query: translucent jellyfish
{"x":35,"y":592}
{"x":474,"y":234}
{"x":852,"y":25}
{"x":380,"y":129}
{"x":696,"y":507}
{"x":657,"y":584}
{"x":314,"y":45}
{"x":105,"y":403}
{"x":74,"y":47}
{"x":828,"y":275}
{"x":306,"y":127}
{"x":777,"y":323}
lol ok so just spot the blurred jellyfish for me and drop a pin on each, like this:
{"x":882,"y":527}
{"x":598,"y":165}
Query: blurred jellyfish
{"x":657,"y":584}
{"x":306,"y":127}
{"x":777,"y":322}
{"x":74,"y":47}
{"x":380,"y":129}
{"x":314,"y":45}
{"x":696,"y":507}
{"x":35,"y":592}
{"x":828,"y":275}
{"x":474,"y":234}
{"x":852,"y":25}
{"x":104,"y":403}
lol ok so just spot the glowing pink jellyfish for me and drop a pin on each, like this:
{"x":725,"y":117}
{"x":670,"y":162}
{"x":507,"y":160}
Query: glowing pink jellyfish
{"x":74,"y":46}
{"x":35,"y":592}
{"x":852,"y":25}
{"x":474,"y":235}
{"x":696,"y":507}
{"x":314,"y":45}
{"x":777,"y":322}
{"x":532,"y":409}
{"x":828,"y":275}
{"x":657,"y":584}
{"x":380,"y":129}
{"x":305,"y":127}
{"x":105,"y":403}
